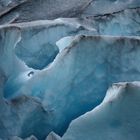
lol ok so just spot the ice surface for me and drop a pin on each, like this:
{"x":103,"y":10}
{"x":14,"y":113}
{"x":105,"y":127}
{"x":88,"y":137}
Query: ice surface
{"x":116,"y":118}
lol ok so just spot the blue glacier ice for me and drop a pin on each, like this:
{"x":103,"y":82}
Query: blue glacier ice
{"x":54,"y":71}
{"x":116,"y":118}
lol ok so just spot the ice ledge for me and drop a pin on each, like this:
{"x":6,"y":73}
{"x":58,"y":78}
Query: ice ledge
{"x":115,"y":118}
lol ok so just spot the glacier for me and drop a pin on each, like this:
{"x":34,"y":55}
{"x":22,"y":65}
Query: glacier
{"x":57,"y":60}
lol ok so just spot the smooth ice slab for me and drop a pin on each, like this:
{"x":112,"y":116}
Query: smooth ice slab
{"x":116,"y":118}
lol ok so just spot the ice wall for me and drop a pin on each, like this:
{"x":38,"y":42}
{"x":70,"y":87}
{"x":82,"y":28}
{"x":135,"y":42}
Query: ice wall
{"x":53,"y":71}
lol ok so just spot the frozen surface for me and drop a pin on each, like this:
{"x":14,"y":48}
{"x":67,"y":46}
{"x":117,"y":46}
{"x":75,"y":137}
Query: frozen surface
{"x":116,"y":118}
